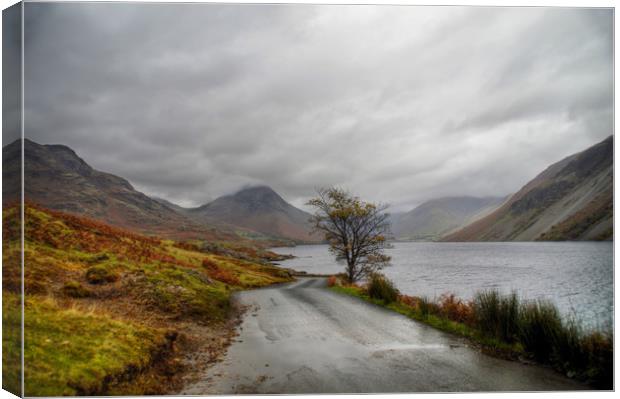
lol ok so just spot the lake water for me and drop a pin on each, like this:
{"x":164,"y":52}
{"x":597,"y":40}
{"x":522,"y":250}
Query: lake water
{"x":576,"y":276}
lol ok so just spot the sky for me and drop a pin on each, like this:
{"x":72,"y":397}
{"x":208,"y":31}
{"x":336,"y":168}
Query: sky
{"x":398,"y":104}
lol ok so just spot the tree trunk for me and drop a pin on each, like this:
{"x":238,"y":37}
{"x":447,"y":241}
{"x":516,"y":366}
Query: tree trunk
{"x":351,"y":272}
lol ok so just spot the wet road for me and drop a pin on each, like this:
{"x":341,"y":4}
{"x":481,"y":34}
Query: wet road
{"x":304,"y":338}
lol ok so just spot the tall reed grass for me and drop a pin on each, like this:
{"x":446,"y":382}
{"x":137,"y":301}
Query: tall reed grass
{"x":496,"y":315}
{"x":539,"y":327}
{"x":381,"y":288}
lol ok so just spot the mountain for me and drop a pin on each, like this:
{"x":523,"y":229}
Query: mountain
{"x":57,"y":178}
{"x":170,"y":205}
{"x":259,"y":209}
{"x":437,"y":217}
{"x":393,"y":218}
{"x":571,"y":200}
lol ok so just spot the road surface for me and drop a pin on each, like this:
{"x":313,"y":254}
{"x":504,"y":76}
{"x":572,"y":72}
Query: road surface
{"x":303,"y":338}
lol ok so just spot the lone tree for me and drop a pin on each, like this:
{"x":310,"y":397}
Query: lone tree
{"x":356,"y":231}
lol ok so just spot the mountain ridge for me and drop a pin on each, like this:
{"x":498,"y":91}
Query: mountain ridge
{"x":571,"y":199}
{"x":436,"y":217}
{"x":56,"y":177}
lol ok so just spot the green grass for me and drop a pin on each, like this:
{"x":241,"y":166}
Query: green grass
{"x":381,"y":288}
{"x":185,"y":293}
{"x":69,"y":352}
{"x":11,"y":343}
{"x":497,"y":316}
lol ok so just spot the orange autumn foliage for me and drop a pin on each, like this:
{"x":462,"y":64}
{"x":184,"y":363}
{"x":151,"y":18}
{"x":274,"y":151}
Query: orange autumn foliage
{"x":456,"y":310}
{"x":220,"y":274}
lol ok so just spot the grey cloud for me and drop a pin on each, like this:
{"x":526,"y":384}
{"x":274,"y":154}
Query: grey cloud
{"x":398,"y":104}
{"x":11,"y":74}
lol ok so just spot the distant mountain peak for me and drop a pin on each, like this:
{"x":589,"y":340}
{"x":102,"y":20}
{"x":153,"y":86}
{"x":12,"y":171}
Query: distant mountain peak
{"x":261,"y":209}
{"x":258,"y":188}
{"x":57,"y":156}
{"x":251,"y":198}
{"x":436,"y":217}
{"x":261,"y":191}
{"x":29,"y":144}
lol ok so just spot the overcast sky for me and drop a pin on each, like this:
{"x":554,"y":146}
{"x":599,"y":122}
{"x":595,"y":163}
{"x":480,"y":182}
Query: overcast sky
{"x":397,"y":104}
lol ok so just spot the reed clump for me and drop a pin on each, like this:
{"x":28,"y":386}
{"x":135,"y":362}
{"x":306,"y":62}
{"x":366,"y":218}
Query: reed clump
{"x":381,"y":288}
{"x":496,"y":315}
{"x":544,"y":335}
{"x":540,"y":329}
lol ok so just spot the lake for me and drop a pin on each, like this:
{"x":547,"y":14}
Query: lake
{"x":576,"y":276}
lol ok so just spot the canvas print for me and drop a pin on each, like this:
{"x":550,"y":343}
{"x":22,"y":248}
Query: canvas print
{"x":207,"y":199}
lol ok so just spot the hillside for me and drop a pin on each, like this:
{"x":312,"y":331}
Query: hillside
{"x":171,"y":205}
{"x":437,"y":217}
{"x":57,"y":178}
{"x":111,"y":312}
{"x":571,"y":200}
{"x":259,"y":209}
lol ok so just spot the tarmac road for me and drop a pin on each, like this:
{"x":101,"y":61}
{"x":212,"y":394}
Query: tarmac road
{"x":303,"y":338}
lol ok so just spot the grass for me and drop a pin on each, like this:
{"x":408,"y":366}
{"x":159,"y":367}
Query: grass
{"x":504,"y":325}
{"x":11,"y":309}
{"x":11,"y":343}
{"x":70,"y":352}
{"x":74,"y":289}
{"x":381,"y":288}
{"x":100,"y":274}
{"x":421,"y":313}
{"x":101,"y":302}
{"x":496,"y":315}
